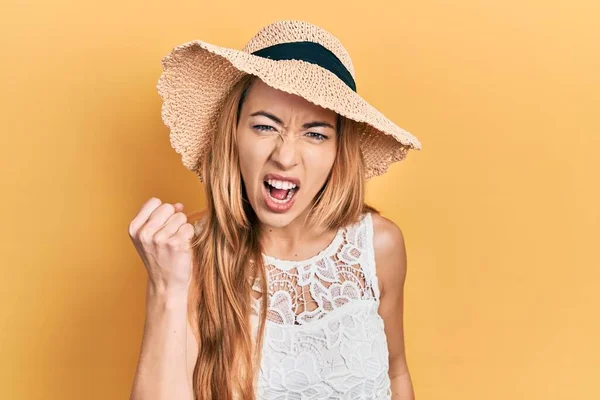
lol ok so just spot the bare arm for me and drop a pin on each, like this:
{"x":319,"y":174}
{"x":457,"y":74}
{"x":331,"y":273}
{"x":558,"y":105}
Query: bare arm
{"x":162,"y":238}
{"x":165,"y":364}
{"x":390,"y":257}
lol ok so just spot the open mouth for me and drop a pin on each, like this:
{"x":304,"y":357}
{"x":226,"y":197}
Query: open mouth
{"x":279,"y":193}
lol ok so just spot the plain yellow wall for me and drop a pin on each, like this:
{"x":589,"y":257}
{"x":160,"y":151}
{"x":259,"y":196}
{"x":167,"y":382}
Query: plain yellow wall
{"x":500,"y":210}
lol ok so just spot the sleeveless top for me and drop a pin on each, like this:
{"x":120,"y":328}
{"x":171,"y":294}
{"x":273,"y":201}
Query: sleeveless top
{"x":324,"y":337}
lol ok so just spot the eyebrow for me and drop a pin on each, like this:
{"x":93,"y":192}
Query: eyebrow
{"x":307,"y":125}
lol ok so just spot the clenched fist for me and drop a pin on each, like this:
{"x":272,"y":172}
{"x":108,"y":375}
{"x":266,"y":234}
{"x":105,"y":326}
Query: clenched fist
{"x":162,"y":237}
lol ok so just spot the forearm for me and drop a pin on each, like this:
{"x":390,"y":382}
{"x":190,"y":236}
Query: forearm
{"x":402,"y":388}
{"x":161,"y":371}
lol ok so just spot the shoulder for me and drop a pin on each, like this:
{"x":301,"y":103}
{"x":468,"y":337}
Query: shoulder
{"x":390,"y":252}
{"x":386,"y":234}
{"x":388,"y":239}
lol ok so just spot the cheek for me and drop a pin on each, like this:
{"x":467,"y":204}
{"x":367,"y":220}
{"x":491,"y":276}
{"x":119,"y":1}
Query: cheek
{"x":252,"y":157}
{"x":319,"y":163}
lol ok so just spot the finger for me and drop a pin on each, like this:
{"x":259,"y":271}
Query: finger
{"x":142,"y":216}
{"x":171,"y":226}
{"x":186,"y":231}
{"x":158,"y":217}
{"x":178,"y":207}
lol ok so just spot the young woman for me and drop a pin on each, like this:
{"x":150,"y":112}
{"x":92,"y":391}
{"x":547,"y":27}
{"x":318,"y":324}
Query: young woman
{"x":289,"y":286}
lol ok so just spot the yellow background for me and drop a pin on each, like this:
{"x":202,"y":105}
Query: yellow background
{"x":500,"y":210}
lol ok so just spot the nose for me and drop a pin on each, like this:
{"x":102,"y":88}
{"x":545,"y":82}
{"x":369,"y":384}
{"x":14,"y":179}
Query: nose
{"x":284,"y":154}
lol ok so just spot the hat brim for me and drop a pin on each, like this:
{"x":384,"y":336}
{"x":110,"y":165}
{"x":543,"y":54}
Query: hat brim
{"x":197,"y":76}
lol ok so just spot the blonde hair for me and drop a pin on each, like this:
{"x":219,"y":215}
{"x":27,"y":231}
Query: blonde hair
{"x":228,"y":253}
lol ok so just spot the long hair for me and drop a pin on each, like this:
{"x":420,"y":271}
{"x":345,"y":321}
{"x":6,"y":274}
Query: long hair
{"x":228,"y":253}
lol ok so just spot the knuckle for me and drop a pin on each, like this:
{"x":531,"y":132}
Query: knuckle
{"x":159,"y":239}
{"x":174,"y":242}
{"x":188,"y":228}
{"x":131,"y":230}
{"x":181,"y":215}
{"x":152,"y":203}
{"x":145,"y":236}
{"x":168,"y":206}
{"x":186,"y":233}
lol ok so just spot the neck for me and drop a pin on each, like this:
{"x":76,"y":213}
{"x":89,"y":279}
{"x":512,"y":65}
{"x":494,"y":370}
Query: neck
{"x":296,"y":241}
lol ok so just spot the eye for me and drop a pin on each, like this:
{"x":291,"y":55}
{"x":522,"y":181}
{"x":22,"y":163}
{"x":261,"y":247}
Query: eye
{"x":263,"y":128}
{"x":317,"y":136}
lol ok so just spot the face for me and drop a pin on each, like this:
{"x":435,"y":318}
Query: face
{"x":287,"y":147}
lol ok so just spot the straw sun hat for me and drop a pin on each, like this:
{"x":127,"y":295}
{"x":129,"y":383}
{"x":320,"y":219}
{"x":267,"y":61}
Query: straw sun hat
{"x":293,"y":56}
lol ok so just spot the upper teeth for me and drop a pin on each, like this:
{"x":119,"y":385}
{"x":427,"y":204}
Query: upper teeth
{"x":281,"y":184}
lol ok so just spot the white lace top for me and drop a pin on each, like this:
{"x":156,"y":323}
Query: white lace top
{"x":324,"y":338}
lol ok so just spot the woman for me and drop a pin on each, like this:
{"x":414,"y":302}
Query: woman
{"x":273,"y":293}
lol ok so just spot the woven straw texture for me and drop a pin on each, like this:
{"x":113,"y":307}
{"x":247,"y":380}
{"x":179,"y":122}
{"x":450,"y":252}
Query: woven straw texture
{"x":197,"y":77}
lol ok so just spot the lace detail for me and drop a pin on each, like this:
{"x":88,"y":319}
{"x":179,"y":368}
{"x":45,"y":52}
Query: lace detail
{"x":324,"y":338}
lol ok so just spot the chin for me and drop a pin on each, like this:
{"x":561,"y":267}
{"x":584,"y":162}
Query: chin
{"x":276,"y":220}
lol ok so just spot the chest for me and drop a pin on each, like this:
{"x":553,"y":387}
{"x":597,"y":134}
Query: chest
{"x":324,"y":337}
{"x":301,"y":292}
{"x":344,"y":355}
